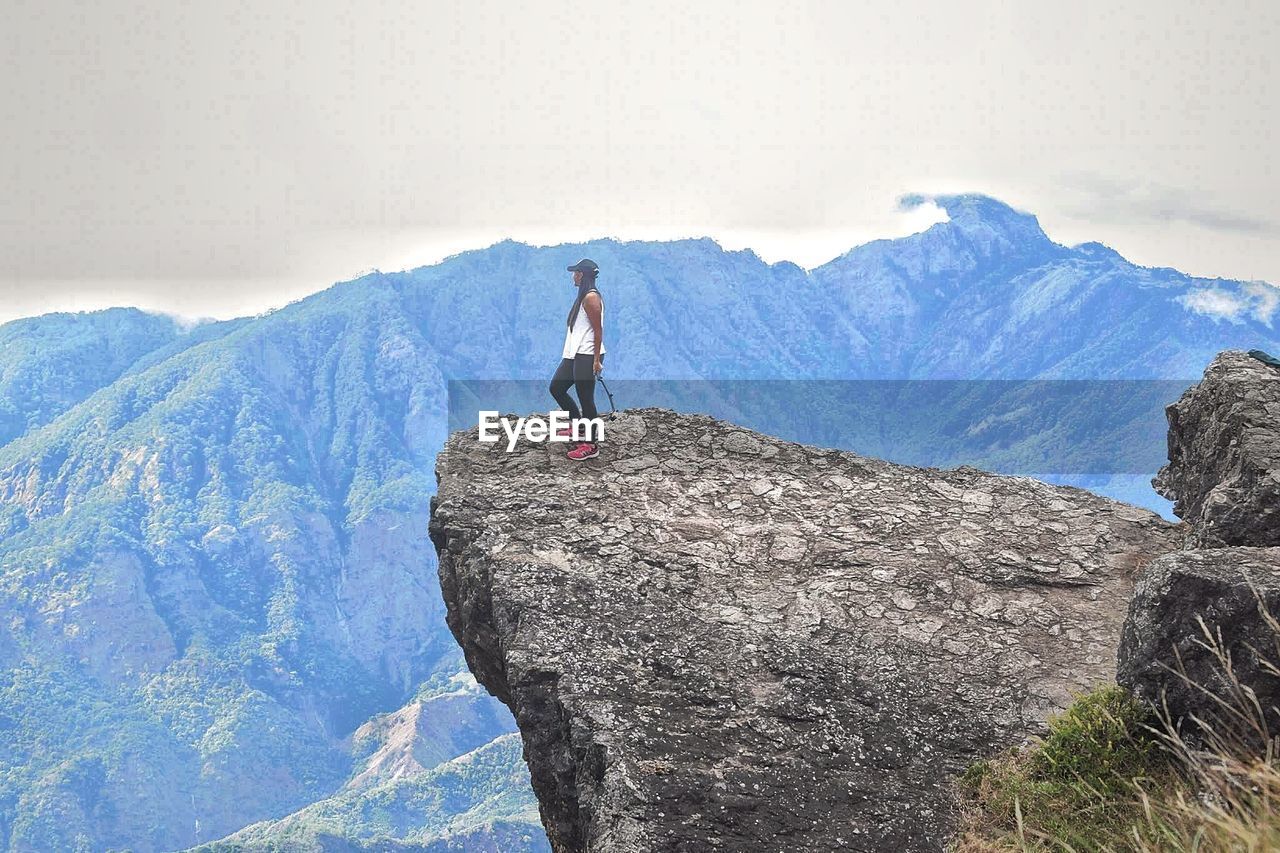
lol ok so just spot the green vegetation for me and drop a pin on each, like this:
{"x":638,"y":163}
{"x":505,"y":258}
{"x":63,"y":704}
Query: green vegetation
{"x":53,"y":362}
{"x":476,"y":797}
{"x":1074,"y":790}
{"x":214,"y":568}
{"x":1112,"y":776}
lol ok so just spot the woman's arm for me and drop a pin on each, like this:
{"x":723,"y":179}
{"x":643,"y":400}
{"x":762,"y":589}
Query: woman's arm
{"x":591,"y":302}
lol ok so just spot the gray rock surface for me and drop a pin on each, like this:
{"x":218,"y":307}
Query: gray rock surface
{"x":1224,"y":454}
{"x":716,"y":640}
{"x":1224,"y":476}
{"x":1183,"y":604}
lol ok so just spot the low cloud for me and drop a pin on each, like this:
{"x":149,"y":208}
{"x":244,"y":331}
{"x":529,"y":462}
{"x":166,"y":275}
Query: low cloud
{"x":1252,"y":300}
{"x":1214,"y":303}
{"x":1266,"y":299}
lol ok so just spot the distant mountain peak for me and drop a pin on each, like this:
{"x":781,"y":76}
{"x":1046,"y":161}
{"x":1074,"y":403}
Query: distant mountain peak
{"x":1101,"y":251}
{"x":981,"y":218}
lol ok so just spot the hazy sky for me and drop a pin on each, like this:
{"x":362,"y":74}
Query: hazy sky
{"x":222,"y":158}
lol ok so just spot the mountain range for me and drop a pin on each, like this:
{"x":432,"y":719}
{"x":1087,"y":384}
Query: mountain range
{"x":222,"y":621}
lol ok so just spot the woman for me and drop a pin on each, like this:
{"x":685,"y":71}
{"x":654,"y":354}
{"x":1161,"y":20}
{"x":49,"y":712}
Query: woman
{"x":580,"y":360}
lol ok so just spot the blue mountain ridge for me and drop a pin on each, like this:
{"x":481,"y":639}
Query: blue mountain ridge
{"x":50,"y":363}
{"x":214,"y":565}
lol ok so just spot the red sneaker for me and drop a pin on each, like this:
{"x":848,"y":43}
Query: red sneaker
{"x":564,"y":432}
{"x":586,"y":450}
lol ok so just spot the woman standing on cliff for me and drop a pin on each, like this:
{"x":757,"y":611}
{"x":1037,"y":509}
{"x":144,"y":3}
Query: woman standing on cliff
{"x":580,"y":360}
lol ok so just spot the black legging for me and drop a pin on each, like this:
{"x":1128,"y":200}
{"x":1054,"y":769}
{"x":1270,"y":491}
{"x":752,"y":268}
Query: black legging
{"x":576,"y":372}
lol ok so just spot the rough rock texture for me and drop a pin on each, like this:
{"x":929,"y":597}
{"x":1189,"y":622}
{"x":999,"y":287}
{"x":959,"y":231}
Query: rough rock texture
{"x":1224,"y":454}
{"x":715,"y":640}
{"x":1180,"y":597}
{"x":1224,"y":474}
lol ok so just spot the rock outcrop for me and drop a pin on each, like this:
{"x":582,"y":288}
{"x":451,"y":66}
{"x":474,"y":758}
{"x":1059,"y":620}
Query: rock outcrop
{"x":1191,"y":612}
{"x":1194,"y":610}
{"x":716,"y":640}
{"x":1224,"y":454}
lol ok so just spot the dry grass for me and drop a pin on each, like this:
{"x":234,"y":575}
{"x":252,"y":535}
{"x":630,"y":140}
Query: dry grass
{"x":1114,"y":776}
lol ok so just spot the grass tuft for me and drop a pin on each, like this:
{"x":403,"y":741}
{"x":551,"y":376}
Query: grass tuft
{"x":1072,"y":790}
{"x":1112,"y":775}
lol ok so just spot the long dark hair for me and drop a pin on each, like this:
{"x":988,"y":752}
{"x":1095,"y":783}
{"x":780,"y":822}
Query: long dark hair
{"x":585,"y":286}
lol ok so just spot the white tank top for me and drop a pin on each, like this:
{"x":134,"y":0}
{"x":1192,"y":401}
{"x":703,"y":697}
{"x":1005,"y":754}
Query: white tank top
{"x":582,"y":338}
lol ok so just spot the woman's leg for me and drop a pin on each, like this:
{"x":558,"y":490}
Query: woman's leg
{"x":560,"y":384}
{"x":584,"y":382}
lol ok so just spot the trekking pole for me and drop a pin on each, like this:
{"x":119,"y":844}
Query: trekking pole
{"x":612,"y":409}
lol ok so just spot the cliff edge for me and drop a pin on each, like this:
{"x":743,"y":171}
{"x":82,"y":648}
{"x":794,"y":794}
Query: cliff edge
{"x":716,"y":640}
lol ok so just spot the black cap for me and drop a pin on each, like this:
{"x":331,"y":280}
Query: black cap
{"x":584,"y":265}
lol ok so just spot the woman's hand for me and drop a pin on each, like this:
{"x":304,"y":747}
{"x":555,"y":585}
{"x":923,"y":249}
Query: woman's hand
{"x":596,"y":366}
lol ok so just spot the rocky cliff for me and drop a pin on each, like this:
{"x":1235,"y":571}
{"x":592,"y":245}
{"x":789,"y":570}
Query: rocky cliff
{"x":1218,"y":599}
{"x":715,"y":640}
{"x":1224,"y":454}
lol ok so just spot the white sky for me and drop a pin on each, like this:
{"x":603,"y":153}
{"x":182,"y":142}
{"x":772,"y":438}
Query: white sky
{"x":221,"y":158}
